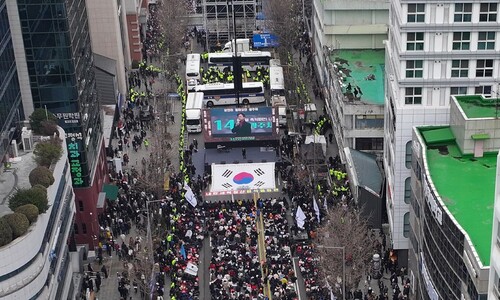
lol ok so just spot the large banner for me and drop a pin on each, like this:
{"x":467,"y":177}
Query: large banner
{"x":234,"y":177}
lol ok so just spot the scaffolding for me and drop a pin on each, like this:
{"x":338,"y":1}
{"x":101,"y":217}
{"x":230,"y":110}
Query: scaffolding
{"x":218,"y":20}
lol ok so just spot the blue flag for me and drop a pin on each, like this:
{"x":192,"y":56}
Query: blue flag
{"x":183,"y":251}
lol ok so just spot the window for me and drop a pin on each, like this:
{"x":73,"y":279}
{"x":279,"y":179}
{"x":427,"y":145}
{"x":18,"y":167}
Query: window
{"x":413,"y":95}
{"x":461,"y":40}
{"x":463,"y":12}
{"x":415,"y":41}
{"x":459,"y":68}
{"x":84,"y":228}
{"x":407,"y":190}
{"x":416,"y":13}
{"x":406,"y":225}
{"x":75,"y":228}
{"x":484,"y":68}
{"x":486,"y":40}
{"x":414,"y":68}
{"x":408,"y":154}
{"x":488,"y":12}
{"x":80,"y":205}
{"x":458,"y":90}
{"x":483,"y":90}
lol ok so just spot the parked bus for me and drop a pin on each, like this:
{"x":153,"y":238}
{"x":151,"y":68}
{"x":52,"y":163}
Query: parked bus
{"x":250,"y":60}
{"x":193,"y":76}
{"x":276,"y":81}
{"x":225,"y":94}
{"x":194,"y":105}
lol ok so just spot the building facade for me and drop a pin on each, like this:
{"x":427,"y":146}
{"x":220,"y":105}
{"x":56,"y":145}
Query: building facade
{"x":454,"y":170}
{"x":108,"y":35}
{"x":11,"y":110}
{"x":136,"y":18}
{"x":434,"y":50}
{"x":494,"y":279}
{"x":37,"y":264}
{"x":56,"y":73}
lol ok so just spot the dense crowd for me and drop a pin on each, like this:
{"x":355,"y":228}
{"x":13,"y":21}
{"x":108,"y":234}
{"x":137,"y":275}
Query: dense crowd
{"x":235,"y":271}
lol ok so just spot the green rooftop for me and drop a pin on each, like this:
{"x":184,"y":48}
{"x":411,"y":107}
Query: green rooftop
{"x":476,"y":106}
{"x":465,"y":184}
{"x":363,"y":69}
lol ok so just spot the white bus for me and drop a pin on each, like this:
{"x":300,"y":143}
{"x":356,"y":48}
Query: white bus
{"x":250,"y":60}
{"x":225,"y":94}
{"x":276,"y":81}
{"x":193,"y":76}
{"x":194,"y":105}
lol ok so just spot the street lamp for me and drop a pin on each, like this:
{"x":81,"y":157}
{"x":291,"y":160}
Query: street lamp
{"x":343,"y":264}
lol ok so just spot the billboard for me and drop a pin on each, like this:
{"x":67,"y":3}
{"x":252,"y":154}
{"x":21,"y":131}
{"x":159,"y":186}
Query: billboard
{"x":264,"y":40}
{"x":240,"y":124}
{"x":234,"y":177}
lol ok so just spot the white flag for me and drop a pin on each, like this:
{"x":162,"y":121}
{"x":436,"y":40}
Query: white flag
{"x":325,"y":204}
{"x":316,"y":208}
{"x":190,"y":197}
{"x":300,"y":217}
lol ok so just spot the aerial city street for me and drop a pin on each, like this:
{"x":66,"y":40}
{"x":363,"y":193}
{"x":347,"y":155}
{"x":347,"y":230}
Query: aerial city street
{"x":246,"y":149}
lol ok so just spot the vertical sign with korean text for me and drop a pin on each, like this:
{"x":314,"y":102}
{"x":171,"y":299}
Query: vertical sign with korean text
{"x":70,"y":122}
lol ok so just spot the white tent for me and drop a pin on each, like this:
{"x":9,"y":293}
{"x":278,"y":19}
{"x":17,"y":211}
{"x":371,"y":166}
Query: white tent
{"x":317,"y":139}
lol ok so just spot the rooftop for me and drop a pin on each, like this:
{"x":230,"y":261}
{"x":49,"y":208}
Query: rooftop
{"x":476,"y":106}
{"x":466,"y":185}
{"x":363,"y":69}
{"x":15,"y":177}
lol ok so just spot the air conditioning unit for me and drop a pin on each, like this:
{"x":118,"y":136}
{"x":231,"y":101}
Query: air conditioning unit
{"x":27,"y":138}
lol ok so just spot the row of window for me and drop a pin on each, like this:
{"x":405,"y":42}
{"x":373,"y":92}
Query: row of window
{"x":413,"y":95}
{"x":461,"y":40}
{"x":459,"y":68}
{"x":462,"y":12}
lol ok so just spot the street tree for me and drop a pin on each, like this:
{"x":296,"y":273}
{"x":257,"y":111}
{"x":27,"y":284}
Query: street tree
{"x":174,"y":25}
{"x":284,"y":19}
{"x":345,"y":227}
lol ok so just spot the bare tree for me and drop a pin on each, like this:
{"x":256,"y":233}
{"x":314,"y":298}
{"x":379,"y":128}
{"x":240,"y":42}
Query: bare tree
{"x":173,"y":15}
{"x":345,"y":227}
{"x":284,"y":19}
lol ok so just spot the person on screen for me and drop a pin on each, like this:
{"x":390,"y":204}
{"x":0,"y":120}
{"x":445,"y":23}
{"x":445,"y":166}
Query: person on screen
{"x":242,"y":127}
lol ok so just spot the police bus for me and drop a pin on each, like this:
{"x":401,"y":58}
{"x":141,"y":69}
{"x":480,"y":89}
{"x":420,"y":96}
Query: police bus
{"x":193,"y":76}
{"x":250,"y":60}
{"x":276,"y":81}
{"x":225,"y":93}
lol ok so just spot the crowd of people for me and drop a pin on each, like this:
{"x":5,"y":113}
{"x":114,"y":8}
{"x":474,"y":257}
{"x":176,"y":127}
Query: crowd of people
{"x":278,"y":267}
{"x":235,"y":271}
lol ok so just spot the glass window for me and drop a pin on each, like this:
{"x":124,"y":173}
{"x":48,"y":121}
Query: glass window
{"x":483,"y":90}
{"x":461,"y":40}
{"x":407,"y":190}
{"x":406,"y":224}
{"x":408,"y":154}
{"x":80,"y":205}
{"x":413,"y":95}
{"x":458,"y":90}
{"x":414,"y":68}
{"x":484,"y":68}
{"x":488,"y":12}
{"x":84,"y":228}
{"x":75,"y":228}
{"x":415,"y":41}
{"x":486,"y":40}
{"x":416,"y":13}
{"x":463,"y":12}
{"x":459,"y":68}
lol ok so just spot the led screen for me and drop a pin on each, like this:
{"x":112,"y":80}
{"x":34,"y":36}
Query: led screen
{"x":241,"y":124}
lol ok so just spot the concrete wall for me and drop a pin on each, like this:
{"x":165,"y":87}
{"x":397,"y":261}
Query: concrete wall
{"x":106,"y":36}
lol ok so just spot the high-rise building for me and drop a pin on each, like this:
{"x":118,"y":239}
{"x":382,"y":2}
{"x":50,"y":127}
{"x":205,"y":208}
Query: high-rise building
{"x":434,"y":50}
{"x":11,"y":111}
{"x":52,"y":42}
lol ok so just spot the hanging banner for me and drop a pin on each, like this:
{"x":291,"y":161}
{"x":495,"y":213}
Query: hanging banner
{"x":233,"y":177}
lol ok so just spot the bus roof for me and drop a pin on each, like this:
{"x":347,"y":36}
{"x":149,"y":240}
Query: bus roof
{"x":274,"y":62}
{"x":242,"y":54}
{"x":193,"y":56}
{"x":221,"y":86}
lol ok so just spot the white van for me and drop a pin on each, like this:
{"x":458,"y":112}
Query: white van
{"x":194,"y":105}
{"x":242,"y":45}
